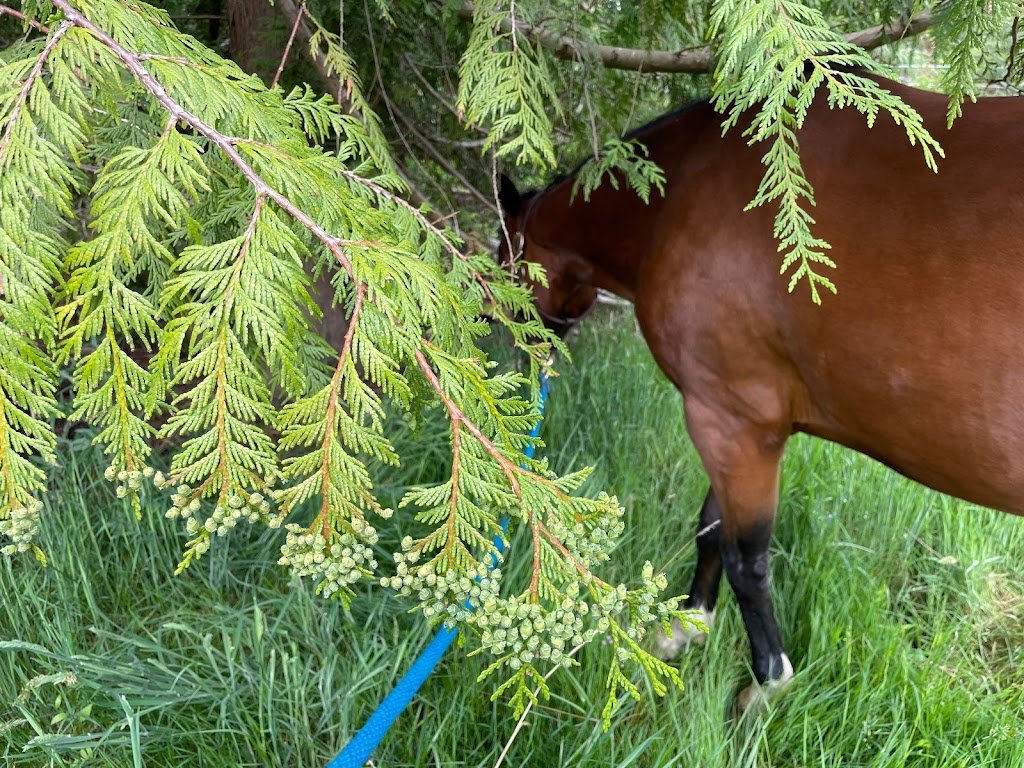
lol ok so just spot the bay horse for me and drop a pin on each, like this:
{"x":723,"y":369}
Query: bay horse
{"x":917,"y":362}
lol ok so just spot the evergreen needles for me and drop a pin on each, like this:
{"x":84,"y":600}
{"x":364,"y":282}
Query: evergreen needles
{"x":772,"y":58}
{"x":182,"y":292}
{"x":208,"y":209}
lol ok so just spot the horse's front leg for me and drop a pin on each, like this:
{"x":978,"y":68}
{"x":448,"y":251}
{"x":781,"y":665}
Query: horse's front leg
{"x":707,"y":576}
{"x":742,"y":460}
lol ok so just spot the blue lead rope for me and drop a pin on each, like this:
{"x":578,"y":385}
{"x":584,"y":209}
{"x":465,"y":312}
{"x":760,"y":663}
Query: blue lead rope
{"x":369,"y":736}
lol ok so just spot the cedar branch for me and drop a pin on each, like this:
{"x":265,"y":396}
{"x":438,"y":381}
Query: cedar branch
{"x":226,"y":144}
{"x":330,"y":431}
{"x":694,"y":61}
{"x":288,"y":47}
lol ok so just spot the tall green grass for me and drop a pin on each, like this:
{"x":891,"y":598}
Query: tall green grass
{"x":902,"y":610}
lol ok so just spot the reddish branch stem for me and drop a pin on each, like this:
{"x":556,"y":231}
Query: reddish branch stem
{"x":6,"y":10}
{"x":456,"y":414}
{"x":449,"y":544}
{"x":222,"y":382}
{"x":288,"y":47}
{"x":329,"y":430}
{"x":557,"y":544}
{"x":250,"y":232}
{"x":535,"y":578}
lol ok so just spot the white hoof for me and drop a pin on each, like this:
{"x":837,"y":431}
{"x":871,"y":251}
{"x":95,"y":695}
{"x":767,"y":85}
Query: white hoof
{"x":667,"y":648}
{"x":756,"y":697}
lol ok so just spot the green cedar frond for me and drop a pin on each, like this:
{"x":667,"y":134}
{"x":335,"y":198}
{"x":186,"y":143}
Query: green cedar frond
{"x":364,"y":138}
{"x":26,"y":402}
{"x":36,"y":185}
{"x":338,"y":423}
{"x":133,"y":191}
{"x":630,"y":159}
{"x":763,"y":57}
{"x":963,"y":31}
{"x":505,"y":86}
{"x":226,"y":293}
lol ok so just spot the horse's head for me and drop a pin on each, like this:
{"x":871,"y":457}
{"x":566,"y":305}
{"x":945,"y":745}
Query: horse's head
{"x":568,"y":296}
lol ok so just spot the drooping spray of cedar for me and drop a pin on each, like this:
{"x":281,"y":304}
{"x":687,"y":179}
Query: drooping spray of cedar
{"x":210,"y":202}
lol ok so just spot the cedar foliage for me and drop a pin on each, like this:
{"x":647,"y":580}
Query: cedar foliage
{"x":212,"y":200}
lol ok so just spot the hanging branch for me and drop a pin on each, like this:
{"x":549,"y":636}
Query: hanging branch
{"x":235,"y":312}
{"x":6,"y":10}
{"x":694,"y":61}
{"x":226,"y":144}
{"x":288,"y":46}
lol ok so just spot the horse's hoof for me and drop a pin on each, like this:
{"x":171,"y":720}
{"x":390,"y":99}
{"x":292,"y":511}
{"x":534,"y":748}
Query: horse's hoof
{"x":755,"y":698}
{"x":667,"y":648}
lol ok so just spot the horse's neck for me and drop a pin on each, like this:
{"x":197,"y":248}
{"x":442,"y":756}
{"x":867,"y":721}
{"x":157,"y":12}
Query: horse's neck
{"x":608,"y":235}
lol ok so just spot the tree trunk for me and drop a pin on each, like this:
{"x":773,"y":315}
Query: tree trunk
{"x":257,"y":36}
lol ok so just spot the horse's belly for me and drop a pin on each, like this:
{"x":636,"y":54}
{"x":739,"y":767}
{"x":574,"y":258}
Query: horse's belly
{"x":953,"y":423}
{"x":965,"y":470}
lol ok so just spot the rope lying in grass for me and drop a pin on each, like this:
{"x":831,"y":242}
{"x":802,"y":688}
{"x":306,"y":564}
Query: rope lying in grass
{"x":358,"y":751}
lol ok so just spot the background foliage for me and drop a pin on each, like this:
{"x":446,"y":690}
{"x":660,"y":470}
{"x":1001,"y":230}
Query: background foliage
{"x":168,"y":224}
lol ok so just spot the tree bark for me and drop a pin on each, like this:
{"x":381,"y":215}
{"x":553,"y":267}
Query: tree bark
{"x":255,"y":34}
{"x":692,"y":60}
{"x":258,"y":35}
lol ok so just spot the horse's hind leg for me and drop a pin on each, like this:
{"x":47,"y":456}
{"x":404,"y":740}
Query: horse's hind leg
{"x":742,"y":460}
{"x":703,"y":594}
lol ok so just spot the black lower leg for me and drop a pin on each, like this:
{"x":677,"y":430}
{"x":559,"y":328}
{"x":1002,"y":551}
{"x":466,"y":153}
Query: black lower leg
{"x":708,"y":574}
{"x":746,"y":564}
